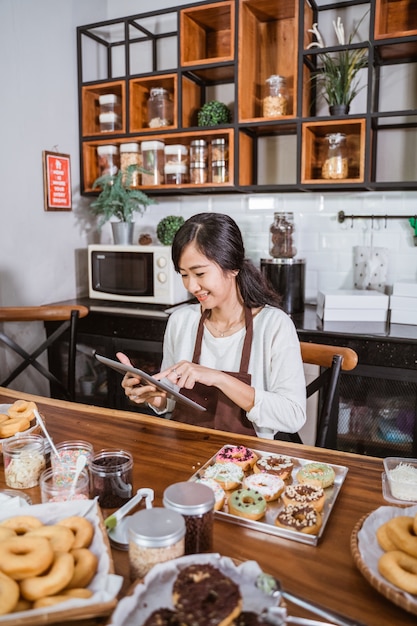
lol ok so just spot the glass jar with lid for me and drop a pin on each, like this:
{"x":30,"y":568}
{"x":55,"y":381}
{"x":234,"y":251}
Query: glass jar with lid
{"x":219,"y":172}
{"x":335,"y":164}
{"x":219,"y":149}
{"x":130,"y":155}
{"x":160,"y":108}
{"x":198,"y":151}
{"x":275,"y":102}
{"x":198,"y":172}
{"x":281,"y":240}
{"x":153,"y":161}
{"x":108,"y":160}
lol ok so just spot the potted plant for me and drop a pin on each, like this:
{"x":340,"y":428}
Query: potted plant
{"x":337,"y":75}
{"x":120,"y":200}
{"x":167,"y":228}
{"x":214,"y":113}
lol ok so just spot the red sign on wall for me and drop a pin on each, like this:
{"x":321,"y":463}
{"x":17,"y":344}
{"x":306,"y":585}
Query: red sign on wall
{"x":57,"y":181}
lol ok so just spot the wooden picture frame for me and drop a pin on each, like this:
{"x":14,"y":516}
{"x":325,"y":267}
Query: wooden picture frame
{"x":57,"y":181}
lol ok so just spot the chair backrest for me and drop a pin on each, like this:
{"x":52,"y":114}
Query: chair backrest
{"x":331,"y":360}
{"x":68,"y":315}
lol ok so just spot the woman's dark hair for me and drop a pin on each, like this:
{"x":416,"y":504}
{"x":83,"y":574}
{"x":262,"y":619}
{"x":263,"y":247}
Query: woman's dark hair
{"x":218,"y":237}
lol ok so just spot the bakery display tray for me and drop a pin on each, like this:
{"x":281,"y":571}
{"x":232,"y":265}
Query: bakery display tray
{"x":267,"y":523}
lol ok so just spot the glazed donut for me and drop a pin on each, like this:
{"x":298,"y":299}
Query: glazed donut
{"x":22,"y":410}
{"x":316,"y":474}
{"x":242,"y":456}
{"x":383,"y":538}
{"x":400,"y":531}
{"x":21,"y":557}
{"x":61,"y":538}
{"x":56,"y":578}
{"x":9,"y":594}
{"x":300,"y":517}
{"x":219,"y":494}
{"x":304,"y":494}
{"x":281,"y":466}
{"x":247,"y":503}
{"x":228,"y":475}
{"x":270,"y":486}
{"x":85,"y":567}
{"x":82,"y":529}
{"x":12,"y":426}
{"x":21,"y":524}
{"x":400,"y":569}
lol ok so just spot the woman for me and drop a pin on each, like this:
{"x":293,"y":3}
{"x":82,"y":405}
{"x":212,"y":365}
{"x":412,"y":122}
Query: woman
{"x":236,"y":352}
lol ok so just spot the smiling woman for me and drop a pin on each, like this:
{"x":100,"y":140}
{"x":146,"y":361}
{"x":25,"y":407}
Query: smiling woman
{"x":236,"y":352}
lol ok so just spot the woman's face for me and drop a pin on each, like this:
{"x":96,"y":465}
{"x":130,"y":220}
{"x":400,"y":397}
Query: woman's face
{"x":206,"y":280}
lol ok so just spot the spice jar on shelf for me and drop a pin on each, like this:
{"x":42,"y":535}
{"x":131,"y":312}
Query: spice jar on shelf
{"x":130,"y":155}
{"x":160,"y":108}
{"x":335,"y":165}
{"x":219,"y":172}
{"x":281,"y":244}
{"x":153,"y":161}
{"x":198,"y":151}
{"x":219,"y":150}
{"x":108,"y":160}
{"x":198,"y":172}
{"x":275,"y":102}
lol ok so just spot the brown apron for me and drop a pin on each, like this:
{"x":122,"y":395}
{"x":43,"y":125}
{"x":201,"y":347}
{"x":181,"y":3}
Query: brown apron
{"x":221,"y":413}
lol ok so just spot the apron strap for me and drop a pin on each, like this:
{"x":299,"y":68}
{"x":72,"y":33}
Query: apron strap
{"x":247,"y":344}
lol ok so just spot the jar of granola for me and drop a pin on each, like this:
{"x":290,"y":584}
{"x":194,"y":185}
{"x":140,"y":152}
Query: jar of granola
{"x":130,"y":155}
{"x":275,"y":102}
{"x":335,"y":165}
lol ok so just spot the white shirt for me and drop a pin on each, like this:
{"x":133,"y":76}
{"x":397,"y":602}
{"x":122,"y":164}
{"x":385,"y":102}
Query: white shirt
{"x":275,"y":364}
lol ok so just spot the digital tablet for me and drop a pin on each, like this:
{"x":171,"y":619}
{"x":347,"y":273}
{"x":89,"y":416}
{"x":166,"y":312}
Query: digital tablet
{"x":172,"y":390}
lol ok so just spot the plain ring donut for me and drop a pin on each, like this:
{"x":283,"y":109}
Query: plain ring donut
{"x":21,"y":524}
{"x":400,"y":569}
{"x":21,"y":557}
{"x":85,"y":568}
{"x":56,"y":578}
{"x":61,"y":538}
{"x":82,"y":529}
{"x":9,"y":594}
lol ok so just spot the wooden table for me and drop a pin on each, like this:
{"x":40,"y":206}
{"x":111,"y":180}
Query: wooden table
{"x":167,"y":452}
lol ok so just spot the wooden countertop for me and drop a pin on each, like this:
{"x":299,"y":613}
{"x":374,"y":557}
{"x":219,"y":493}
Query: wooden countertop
{"x":167,"y":452}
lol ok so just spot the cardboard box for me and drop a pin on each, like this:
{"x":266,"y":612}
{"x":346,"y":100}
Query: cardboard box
{"x":404,"y":317}
{"x":405,"y":288}
{"x":403,"y":303}
{"x":355,"y":315}
{"x":357,"y":328}
{"x":349,"y":300}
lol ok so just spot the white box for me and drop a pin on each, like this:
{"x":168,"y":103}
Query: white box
{"x":405,"y":288}
{"x":404,"y":317}
{"x":403,"y":303}
{"x":351,"y":299}
{"x":357,"y":328}
{"x":355,"y":315}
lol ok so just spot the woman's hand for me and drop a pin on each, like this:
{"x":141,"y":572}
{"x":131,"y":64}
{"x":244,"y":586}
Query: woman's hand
{"x":186,"y":374}
{"x":138,"y":392}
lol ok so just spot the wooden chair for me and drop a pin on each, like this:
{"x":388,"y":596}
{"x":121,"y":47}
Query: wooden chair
{"x":331,"y":360}
{"x":69,"y":316}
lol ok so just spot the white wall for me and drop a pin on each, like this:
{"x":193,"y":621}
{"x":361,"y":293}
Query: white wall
{"x":41,"y":253}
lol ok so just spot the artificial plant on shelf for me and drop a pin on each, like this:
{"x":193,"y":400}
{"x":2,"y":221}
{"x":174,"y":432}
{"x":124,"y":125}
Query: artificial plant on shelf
{"x":337,"y":75}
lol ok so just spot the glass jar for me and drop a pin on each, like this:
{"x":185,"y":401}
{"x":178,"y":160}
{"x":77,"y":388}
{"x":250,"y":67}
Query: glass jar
{"x":130,"y":155}
{"x":198,"y":173}
{"x":68,"y":453}
{"x":54,"y":489}
{"x":219,"y":172}
{"x":335,"y":165}
{"x":112,"y":477}
{"x":198,"y":151}
{"x":153,"y":160}
{"x":109,"y":103}
{"x":175,"y":173}
{"x":275,"y":102}
{"x":196,"y":503}
{"x":160,"y":108}
{"x":109,"y":116}
{"x":108,"y":160}
{"x":176,"y":154}
{"x":24,"y":461}
{"x":155,"y":536}
{"x":219,"y":150}
{"x":281,"y":240}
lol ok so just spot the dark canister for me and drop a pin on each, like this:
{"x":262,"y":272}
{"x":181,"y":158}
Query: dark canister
{"x":196,"y":503}
{"x":112,"y":477}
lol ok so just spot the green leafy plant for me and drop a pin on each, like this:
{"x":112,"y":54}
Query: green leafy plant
{"x":117,"y":198}
{"x":167,"y":228}
{"x":338,"y":72}
{"x":214,"y":113}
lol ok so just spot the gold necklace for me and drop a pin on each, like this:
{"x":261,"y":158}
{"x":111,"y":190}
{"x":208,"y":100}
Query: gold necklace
{"x":222,"y":333}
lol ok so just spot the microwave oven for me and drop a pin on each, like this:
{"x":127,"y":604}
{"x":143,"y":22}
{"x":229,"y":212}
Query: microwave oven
{"x":134,"y":273}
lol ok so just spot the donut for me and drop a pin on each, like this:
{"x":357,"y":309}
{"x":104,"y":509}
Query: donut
{"x":9,"y":594}
{"x":21,"y":523}
{"x":202,"y":594}
{"x":12,"y":426}
{"x":281,"y":466}
{"x":383,"y":538}
{"x":3,"y":418}
{"x":242,"y":456}
{"x":77,"y":592}
{"x":400,"y":569}
{"x":250,"y":618}
{"x":22,"y":605}
{"x":63,"y":596}
{"x":61,"y":538}
{"x":53,"y":581}
{"x":300,"y":517}
{"x":316,"y":474}
{"x":401,"y":533}
{"x":85,"y":567}
{"x":82,"y":529}
{"x":270,"y":486}
{"x":304,"y":494}
{"x":219,"y":494}
{"x":21,"y":557}
{"x":22,"y":410}
{"x":6,"y":533}
{"x":247,"y":503}
{"x":229,"y":475}
{"x":163,"y":617}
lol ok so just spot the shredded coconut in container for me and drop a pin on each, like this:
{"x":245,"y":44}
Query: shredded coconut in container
{"x":403,"y":481}
{"x":23,"y":472}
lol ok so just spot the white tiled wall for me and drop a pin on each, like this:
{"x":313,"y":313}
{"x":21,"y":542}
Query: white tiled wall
{"x":326,"y":244}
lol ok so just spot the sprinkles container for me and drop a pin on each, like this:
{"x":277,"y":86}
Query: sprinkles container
{"x":55,"y":488}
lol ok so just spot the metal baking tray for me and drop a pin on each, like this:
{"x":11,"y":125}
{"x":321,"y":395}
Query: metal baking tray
{"x":266,"y":524}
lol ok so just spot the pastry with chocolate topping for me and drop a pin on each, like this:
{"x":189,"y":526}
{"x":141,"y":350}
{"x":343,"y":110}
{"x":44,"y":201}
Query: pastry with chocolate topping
{"x":203,"y":596}
{"x":163,"y":617}
{"x":281,"y":466}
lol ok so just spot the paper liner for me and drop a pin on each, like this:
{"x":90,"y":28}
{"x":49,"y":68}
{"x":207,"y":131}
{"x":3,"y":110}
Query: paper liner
{"x":155,"y":591}
{"x":367,"y":552}
{"x":105,"y":584}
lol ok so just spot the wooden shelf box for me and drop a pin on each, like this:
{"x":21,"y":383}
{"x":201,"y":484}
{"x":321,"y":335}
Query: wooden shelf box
{"x":207,"y":33}
{"x":314,"y":150}
{"x":139,"y":91}
{"x":395,"y":18}
{"x":91,"y":109}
